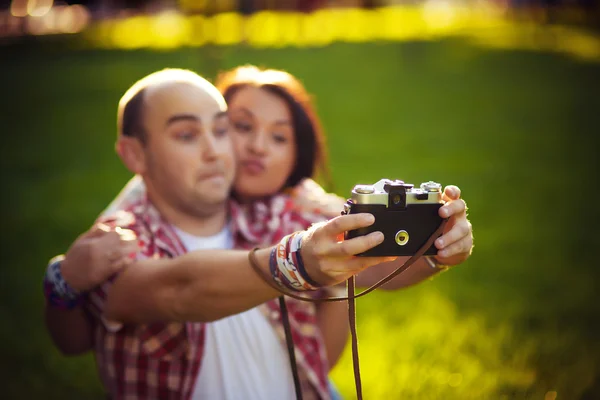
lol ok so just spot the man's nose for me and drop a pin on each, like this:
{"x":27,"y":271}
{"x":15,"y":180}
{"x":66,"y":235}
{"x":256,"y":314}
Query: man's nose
{"x":210,"y":149}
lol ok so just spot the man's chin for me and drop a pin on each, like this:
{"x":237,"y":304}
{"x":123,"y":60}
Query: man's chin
{"x":213,"y":199}
{"x":206,"y":207}
{"x":217,"y":184}
{"x":215,"y":180}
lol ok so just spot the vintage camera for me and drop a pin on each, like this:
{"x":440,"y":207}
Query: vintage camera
{"x":407,"y":216}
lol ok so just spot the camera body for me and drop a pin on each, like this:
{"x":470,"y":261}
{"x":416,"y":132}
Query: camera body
{"x":407,"y":216}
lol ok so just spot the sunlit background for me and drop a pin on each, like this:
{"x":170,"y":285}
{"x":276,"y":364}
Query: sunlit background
{"x":498,"y":97}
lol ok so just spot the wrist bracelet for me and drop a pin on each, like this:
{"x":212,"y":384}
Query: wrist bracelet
{"x":433,"y":263}
{"x":57,"y":291}
{"x":287,"y":267}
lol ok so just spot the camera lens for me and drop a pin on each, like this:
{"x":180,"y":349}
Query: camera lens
{"x":402,"y":237}
{"x":396,"y":199}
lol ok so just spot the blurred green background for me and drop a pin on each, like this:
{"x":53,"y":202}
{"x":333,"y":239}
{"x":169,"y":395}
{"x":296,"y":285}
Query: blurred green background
{"x":515,"y":130}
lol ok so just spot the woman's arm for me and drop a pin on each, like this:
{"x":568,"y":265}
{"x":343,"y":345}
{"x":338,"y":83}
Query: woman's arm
{"x":71,"y":330}
{"x":91,"y":259}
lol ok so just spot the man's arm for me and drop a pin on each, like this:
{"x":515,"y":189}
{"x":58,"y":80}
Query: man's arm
{"x":203,"y":285}
{"x":207,"y":285}
{"x":332,"y":319}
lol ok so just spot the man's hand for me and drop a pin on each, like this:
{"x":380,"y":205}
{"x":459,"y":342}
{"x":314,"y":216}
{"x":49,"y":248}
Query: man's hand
{"x":96,"y":255}
{"x":329,"y":259}
{"x":456,"y":243}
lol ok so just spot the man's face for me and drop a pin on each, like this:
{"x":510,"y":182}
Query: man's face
{"x":189,"y":160}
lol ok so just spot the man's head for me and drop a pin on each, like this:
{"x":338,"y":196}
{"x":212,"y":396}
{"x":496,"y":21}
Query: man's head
{"x":173,"y":131}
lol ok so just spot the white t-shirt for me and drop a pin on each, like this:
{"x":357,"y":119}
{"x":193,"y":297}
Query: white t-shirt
{"x":243,"y":357}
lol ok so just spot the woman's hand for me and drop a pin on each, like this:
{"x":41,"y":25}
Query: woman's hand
{"x":456,"y":243}
{"x":309,"y":197}
{"x":96,"y":255}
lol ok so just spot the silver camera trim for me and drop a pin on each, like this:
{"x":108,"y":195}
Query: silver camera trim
{"x":375,"y":194}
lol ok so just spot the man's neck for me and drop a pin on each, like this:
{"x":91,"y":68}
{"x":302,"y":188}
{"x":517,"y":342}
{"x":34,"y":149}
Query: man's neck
{"x":200,"y":226}
{"x":197,"y":225}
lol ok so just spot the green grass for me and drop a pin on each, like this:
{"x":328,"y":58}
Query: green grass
{"x":515,"y":130}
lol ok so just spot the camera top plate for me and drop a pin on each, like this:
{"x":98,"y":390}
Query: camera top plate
{"x":392,"y":193}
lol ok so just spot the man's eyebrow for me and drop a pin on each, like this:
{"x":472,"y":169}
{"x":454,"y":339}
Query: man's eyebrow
{"x":183,"y":117}
{"x":220,"y":114}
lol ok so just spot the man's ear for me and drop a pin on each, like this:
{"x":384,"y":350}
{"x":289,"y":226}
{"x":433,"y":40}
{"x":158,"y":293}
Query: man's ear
{"x":131,"y":151}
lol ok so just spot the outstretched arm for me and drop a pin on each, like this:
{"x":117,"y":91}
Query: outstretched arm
{"x":208,"y":285}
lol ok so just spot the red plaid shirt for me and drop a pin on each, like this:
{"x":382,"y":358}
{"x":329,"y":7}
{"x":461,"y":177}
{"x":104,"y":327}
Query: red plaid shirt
{"x":162,"y":360}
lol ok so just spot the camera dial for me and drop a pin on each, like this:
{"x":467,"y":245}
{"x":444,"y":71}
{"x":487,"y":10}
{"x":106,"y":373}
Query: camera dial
{"x":364,"y":189}
{"x":431,"y":186}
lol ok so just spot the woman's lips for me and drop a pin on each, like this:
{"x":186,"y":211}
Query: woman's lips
{"x":253,"y":167}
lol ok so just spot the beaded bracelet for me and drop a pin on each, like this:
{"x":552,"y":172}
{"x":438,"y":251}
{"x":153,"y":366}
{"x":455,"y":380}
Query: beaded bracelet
{"x":57,"y":291}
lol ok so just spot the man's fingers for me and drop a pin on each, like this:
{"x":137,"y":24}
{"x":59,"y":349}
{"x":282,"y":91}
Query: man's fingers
{"x":345,"y":223}
{"x":356,"y":245}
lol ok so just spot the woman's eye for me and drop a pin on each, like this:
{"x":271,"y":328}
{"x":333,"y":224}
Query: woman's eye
{"x":242,"y":127}
{"x":279,"y":138}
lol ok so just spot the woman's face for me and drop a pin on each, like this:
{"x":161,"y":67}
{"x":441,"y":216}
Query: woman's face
{"x":264,"y":142}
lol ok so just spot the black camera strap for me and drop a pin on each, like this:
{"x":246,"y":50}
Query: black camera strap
{"x":352,"y":295}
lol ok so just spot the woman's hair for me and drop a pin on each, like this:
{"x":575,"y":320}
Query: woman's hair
{"x":311,"y":151}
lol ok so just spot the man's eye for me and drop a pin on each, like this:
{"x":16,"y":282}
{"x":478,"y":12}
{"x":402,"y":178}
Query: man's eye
{"x":220,"y":132}
{"x":186,"y":136}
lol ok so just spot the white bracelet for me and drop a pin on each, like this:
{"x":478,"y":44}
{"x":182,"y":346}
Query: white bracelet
{"x":433,"y":263}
